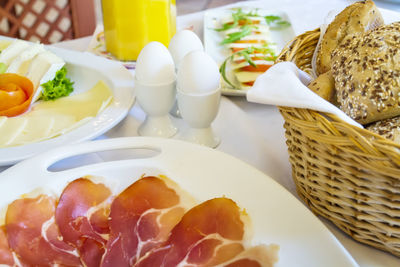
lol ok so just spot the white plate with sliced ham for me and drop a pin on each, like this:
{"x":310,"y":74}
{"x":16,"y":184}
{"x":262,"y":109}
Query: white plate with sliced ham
{"x":244,"y":41}
{"x":160,"y":203}
{"x":102,"y":96}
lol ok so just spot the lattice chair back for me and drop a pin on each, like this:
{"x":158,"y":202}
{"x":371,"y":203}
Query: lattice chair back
{"x":47,"y":21}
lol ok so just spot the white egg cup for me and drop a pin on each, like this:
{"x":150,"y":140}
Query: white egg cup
{"x":156,"y":101}
{"x":175,"y":110}
{"x":199,"y":111}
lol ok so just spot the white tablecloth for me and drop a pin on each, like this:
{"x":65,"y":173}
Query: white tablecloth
{"x":253,"y":132}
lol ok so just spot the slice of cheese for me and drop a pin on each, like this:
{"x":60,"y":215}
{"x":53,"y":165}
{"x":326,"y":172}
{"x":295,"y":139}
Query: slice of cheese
{"x":42,"y":69}
{"x":259,"y":37}
{"x":228,"y":19}
{"x":11,"y":128}
{"x":12,"y":51}
{"x":238,"y":57}
{"x":48,"y":119}
{"x":244,"y":45}
{"x":4,"y":44}
{"x":61,"y":123}
{"x":36,"y":128}
{"x":245,"y":63}
{"x":86,"y":104}
{"x":71,"y":127}
{"x":257,"y":28}
{"x":245,"y":87}
{"x":20,"y":64}
{"x":2,"y":120}
{"x":247,"y":76}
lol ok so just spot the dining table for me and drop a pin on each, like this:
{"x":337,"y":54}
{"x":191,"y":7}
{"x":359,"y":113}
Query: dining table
{"x":252,"y":132}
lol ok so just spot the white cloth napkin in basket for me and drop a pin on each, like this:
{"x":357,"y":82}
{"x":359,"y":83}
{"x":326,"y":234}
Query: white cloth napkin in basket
{"x":286,"y":85}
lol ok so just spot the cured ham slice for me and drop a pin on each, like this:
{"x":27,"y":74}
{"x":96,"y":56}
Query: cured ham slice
{"x":258,"y":256}
{"x":153,"y":222}
{"x":33,"y":235}
{"x":207,"y":235}
{"x":142,"y":217}
{"x":6,"y":256}
{"x":82,"y":216}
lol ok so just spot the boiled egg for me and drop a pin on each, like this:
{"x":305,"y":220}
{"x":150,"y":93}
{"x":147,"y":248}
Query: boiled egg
{"x":198,"y":73}
{"x":155,"y":65}
{"x":182,"y":43}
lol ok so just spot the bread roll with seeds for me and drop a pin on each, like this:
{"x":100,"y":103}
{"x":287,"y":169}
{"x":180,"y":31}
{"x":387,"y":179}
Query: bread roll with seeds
{"x":356,"y":18}
{"x":324,"y":86}
{"x":366,"y":70}
{"x":389,"y":128}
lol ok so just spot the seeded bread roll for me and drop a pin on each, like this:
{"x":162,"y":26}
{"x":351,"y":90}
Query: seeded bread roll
{"x":389,"y":128}
{"x":324,"y":86}
{"x":366,"y":70}
{"x":356,"y":18}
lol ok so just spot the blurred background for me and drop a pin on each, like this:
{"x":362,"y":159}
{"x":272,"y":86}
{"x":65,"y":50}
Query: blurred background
{"x":190,"y":6}
{"x":183,"y":6}
{"x":50,"y":21}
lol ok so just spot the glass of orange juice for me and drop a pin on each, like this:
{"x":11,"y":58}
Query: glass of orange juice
{"x":130,"y":24}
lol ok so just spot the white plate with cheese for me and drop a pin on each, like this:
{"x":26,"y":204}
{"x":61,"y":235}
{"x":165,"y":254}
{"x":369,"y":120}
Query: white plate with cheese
{"x":102,"y":96}
{"x":214,"y":19}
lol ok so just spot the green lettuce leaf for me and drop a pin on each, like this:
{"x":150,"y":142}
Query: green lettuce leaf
{"x":58,"y":87}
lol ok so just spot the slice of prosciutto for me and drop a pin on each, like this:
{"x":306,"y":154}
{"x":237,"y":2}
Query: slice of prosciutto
{"x":142,"y":217}
{"x":258,"y":256}
{"x":207,"y":235}
{"x":6,"y":256}
{"x":33,"y":235}
{"x":82,"y":216}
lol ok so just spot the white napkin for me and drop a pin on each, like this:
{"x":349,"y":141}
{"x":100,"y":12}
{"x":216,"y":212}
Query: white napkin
{"x":285,"y":85}
{"x":328,"y":19}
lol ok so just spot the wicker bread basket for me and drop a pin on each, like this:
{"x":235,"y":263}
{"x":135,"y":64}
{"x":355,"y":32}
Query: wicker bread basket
{"x":348,"y":175}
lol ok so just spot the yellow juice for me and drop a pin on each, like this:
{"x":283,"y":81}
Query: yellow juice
{"x":130,"y":24}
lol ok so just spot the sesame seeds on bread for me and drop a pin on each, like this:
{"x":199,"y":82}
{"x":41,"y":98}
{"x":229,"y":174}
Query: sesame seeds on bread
{"x":366,"y":69}
{"x":389,"y":129}
{"x":354,"y":19}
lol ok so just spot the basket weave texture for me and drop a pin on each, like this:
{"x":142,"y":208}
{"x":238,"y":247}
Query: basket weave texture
{"x":348,"y":175}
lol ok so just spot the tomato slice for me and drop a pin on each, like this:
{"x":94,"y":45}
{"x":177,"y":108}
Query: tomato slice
{"x":16,"y":94}
{"x":243,"y":60}
{"x":257,"y":68}
{"x":236,"y":49}
{"x":250,"y":42}
{"x":242,"y":22}
{"x":249,"y":83}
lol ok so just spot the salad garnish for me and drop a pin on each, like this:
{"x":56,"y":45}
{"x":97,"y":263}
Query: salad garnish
{"x":247,"y":53}
{"x":235,"y":36}
{"x":242,"y":18}
{"x":60,"y":86}
{"x":276,"y":22}
{"x":247,"y":35}
{"x":239,"y":18}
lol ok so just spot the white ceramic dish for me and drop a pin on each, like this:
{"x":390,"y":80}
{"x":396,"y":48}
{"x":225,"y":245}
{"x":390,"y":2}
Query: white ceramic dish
{"x":277,"y":216}
{"x":85,"y":70}
{"x":219,"y":53}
